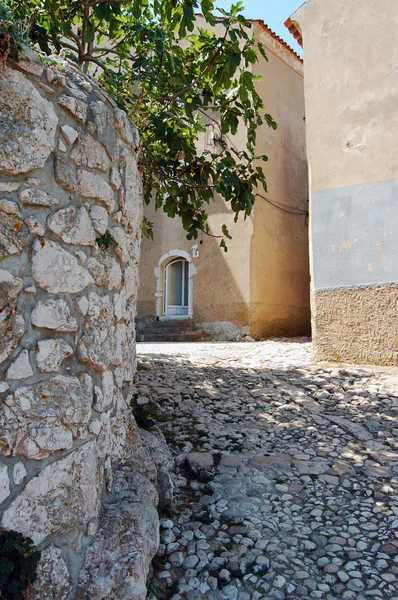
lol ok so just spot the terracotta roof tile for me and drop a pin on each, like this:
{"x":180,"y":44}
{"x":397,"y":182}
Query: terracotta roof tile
{"x":296,"y":33}
{"x":277,"y":37}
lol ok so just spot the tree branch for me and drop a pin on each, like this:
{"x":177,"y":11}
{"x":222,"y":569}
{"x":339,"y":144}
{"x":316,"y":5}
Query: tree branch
{"x":205,"y":70}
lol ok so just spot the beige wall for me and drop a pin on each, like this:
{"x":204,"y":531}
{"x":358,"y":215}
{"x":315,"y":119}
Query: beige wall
{"x":351,"y":90}
{"x":262,"y":282}
{"x":351,"y":99}
{"x":222,"y":282}
{"x":279,"y":248}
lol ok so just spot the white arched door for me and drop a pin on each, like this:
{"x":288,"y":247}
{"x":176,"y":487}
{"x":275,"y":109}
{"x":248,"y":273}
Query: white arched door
{"x":176,"y":288}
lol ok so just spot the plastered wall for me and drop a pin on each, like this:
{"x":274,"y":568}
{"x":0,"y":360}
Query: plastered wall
{"x":351,"y":91}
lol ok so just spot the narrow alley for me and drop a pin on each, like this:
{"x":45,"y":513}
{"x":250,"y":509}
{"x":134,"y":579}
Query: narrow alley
{"x":286,"y":472}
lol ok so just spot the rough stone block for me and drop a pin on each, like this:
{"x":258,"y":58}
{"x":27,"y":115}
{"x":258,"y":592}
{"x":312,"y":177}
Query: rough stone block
{"x":64,"y":496}
{"x":102,"y":116}
{"x":99,"y":217}
{"x":88,"y":152}
{"x":4,"y":483}
{"x":53,"y":314}
{"x":94,"y":186}
{"x":51,"y":353}
{"x":72,"y":225}
{"x":20,"y":368}
{"x":28,"y":127}
{"x":97,"y":346}
{"x":57,"y":271}
{"x":12,"y":238}
{"x":45,"y":417}
{"x":69,"y":134}
{"x":35,"y":228}
{"x":65,"y":174}
{"x":75,"y":107}
{"x":53,"y":579}
{"x":37,"y":197}
{"x":12,"y":324}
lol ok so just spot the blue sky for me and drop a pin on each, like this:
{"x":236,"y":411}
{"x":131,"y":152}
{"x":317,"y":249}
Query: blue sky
{"x":273,"y":12}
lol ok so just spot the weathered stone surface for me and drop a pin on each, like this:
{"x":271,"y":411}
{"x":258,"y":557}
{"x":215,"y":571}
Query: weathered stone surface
{"x":53,"y":580}
{"x":30,"y":67}
{"x":200,"y":462}
{"x":53,"y":314}
{"x":104,"y":399}
{"x":70,"y":134}
{"x":117,"y":563}
{"x":156,"y":446}
{"x":357,"y":430}
{"x":35,"y":228}
{"x":19,"y":473}
{"x":105,"y":271}
{"x":59,"y":454}
{"x":94,"y":186}
{"x":35,"y":181}
{"x":51,"y":353}
{"x":37,"y":197}
{"x":121,"y":244}
{"x":55,"y":77}
{"x":30,"y":290}
{"x":75,"y":107}
{"x":81,"y":305}
{"x":124,"y":352}
{"x":28,"y":124}
{"x":20,"y":368}
{"x":12,"y":324}
{"x":4,"y":483}
{"x":65,"y":174}
{"x":279,"y":462}
{"x":99,"y":217}
{"x":126,"y":129}
{"x":131,"y":204}
{"x":45,"y":417}
{"x":97,"y":346}
{"x":115,"y":180}
{"x":12,"y":238}
{"x":72,"y":225}
{"x":102,"y":116}
{"x":9,"y":186}
{"x":88,"y":152}
{"x":65,"y":495}
{"x":124,"y":301}
{"x":57,"y":271}
{"x":62,"y":146}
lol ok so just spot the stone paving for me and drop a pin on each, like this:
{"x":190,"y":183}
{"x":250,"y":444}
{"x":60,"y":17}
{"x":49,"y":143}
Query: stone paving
{"x":286,"y":473}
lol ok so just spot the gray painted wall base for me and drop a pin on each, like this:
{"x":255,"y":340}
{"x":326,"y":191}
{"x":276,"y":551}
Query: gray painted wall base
{"x":354,"y":235}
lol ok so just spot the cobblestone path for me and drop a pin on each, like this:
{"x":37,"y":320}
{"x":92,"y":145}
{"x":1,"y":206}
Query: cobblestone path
{"x":286,"y":473}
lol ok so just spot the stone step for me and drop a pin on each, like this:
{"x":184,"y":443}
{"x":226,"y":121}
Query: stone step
{"x":172,"y":323}
{"x":173,"y":333}
{"x":189,"y":336}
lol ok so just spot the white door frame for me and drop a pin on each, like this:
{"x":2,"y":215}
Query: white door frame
{"x":185,"y":304}
{"x":160,"y":278}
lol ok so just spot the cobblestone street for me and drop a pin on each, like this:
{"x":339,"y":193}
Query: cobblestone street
{"x":286,"y":472}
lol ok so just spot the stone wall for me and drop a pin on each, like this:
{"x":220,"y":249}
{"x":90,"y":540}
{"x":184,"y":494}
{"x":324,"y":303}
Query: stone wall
{"x":70,"y":215}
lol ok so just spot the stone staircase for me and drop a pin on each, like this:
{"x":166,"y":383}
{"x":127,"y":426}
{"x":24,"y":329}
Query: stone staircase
{"x":172,"y":331}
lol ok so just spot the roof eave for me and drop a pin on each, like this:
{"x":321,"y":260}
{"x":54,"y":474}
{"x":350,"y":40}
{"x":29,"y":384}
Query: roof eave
{"x":294,"y":30}
{"x":276,"y":37}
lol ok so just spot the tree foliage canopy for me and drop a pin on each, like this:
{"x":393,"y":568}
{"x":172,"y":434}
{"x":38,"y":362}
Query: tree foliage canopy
{"x":176,"y":76}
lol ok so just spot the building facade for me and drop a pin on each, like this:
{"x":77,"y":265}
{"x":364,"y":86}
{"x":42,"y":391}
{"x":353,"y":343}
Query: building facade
{"x":260,"y":286}
{"x":351,"y":105}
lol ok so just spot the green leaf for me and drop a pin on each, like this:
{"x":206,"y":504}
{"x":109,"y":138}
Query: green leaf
{"x":181,"y":79}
